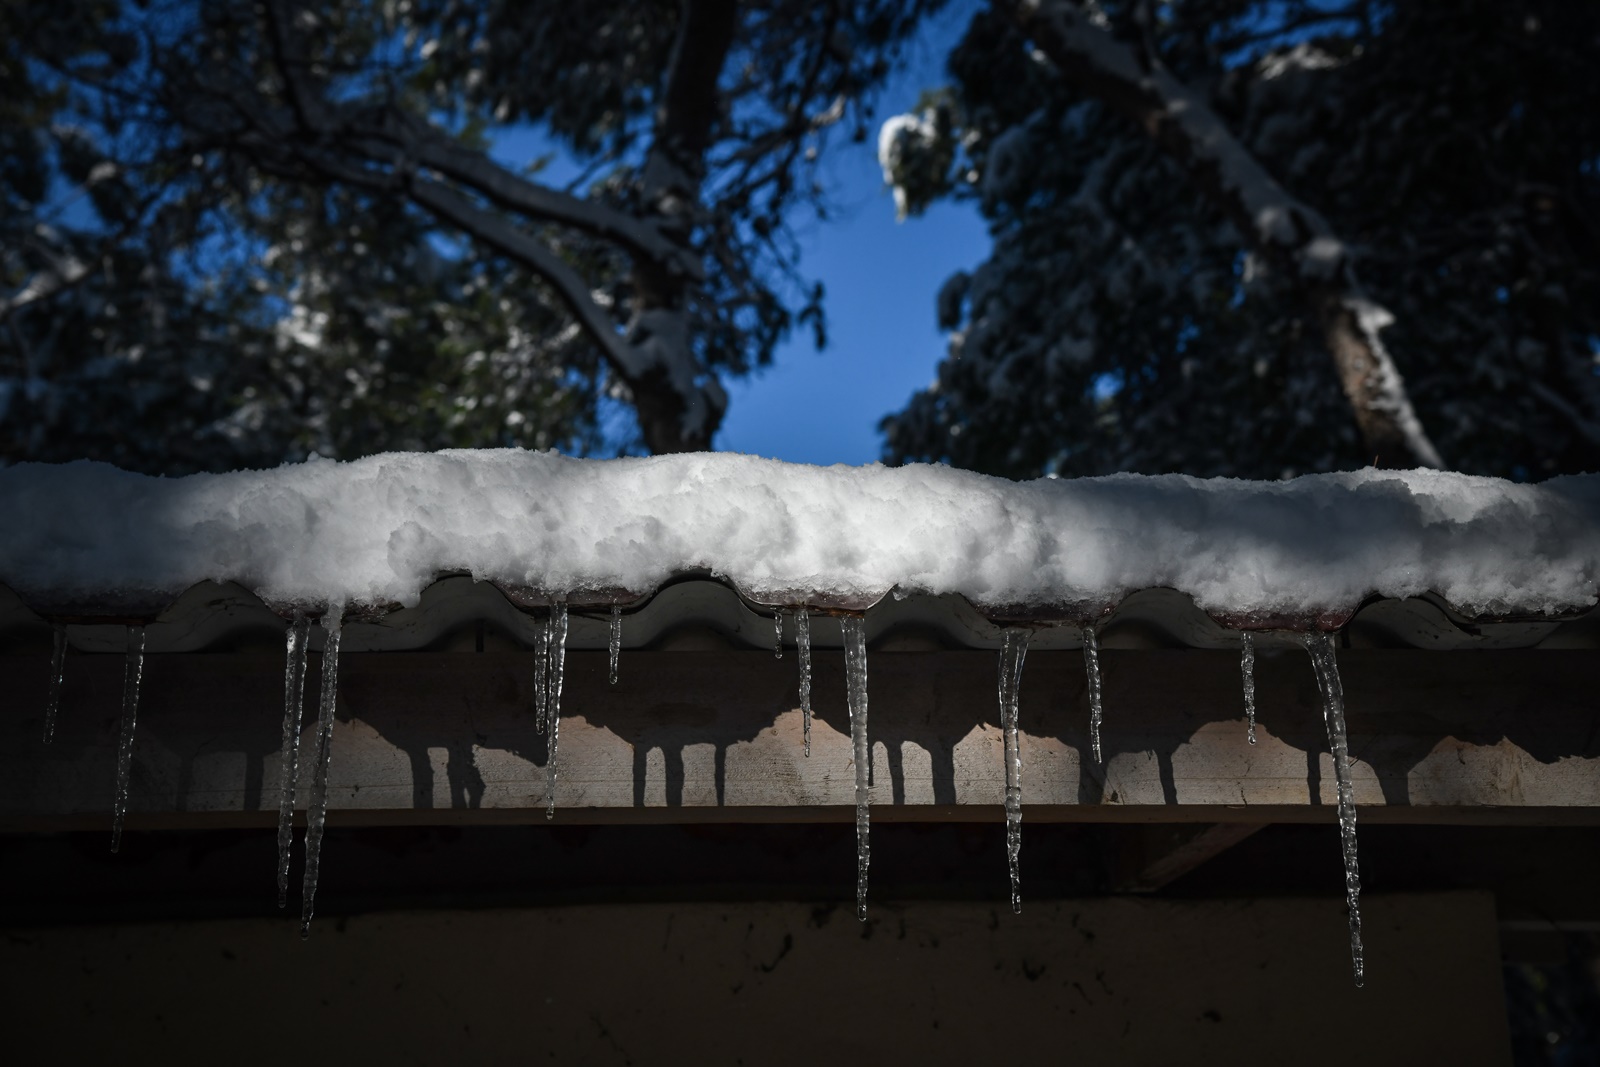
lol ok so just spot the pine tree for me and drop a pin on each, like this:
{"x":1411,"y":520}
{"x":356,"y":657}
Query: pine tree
{"x":1158,"y":297}
{"x":246,"y":231}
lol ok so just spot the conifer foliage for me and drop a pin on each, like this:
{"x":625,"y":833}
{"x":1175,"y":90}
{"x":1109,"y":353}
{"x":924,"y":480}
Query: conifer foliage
{"x":1413,"y":181}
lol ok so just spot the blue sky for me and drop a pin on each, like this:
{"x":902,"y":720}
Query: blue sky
{"x":880,"y":278}
{"x":884,"y":343}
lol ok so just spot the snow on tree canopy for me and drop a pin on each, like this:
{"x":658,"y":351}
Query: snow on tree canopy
{"x":379,"y":530}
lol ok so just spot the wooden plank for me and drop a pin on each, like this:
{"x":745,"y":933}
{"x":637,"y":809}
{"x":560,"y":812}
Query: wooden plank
{"x":426,"y":737}
{"x":1153,"y":857}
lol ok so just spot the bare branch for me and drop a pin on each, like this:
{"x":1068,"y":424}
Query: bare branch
{"x":288,"y":52}
{"x":1342,"y":16}
{"x":67,"y":271}
{"x":1559,"y":404}
{"x":433,"y":149}
{"x":494,"y":232}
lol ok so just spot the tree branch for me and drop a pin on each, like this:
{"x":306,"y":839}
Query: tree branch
{"x":688,"y":109}
{"x":430,"y":148}
{"x":288,"y":53}
{"x":672,"y":176}
{"x":450,"y":206}
{"x":1290,"y":235}
{"x":1559,"y":404}
{"x":423,"y":144}
{"x":679,"y":402}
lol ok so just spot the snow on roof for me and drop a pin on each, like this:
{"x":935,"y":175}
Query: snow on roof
{"x":381,"y":529}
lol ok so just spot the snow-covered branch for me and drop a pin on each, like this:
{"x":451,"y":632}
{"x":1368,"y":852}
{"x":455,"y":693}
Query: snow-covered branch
{"x":61,"y":275}
{"x":1287,"y":233}
{"x":392,"y":134}
{"x":497,"y":233}
{"x":646,"y":358}
{"x":680,"y":402}
{"x":500,"y":187}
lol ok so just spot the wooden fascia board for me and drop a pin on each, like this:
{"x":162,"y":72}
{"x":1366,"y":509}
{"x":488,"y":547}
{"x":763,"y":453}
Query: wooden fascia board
{"x":1509,"y":736}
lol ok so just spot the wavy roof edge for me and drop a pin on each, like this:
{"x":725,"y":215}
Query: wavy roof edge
{"x":210,"y":616}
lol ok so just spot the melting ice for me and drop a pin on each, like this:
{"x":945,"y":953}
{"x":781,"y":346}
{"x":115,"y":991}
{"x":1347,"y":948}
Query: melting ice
{"x":1247,"y":667}
{"x":802,"y":647}
{"x":317,"y":807}
{"x":58,"y":663}
{"x":855,"y":669}
{"x":541,"y":674}
{"x":294,"y":681}
{"x":614,"y":645}
{"x":1320,"y":647}
{"x":1012,"y":654}
{"x":132,"y":671}
{"x":1091,"y":664}
{"x":555,"y":668}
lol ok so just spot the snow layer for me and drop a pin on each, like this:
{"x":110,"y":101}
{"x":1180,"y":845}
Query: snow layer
{"x":380,"y":529}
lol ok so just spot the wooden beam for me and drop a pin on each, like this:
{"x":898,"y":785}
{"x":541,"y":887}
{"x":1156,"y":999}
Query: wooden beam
{"x":1508,"y":736}
{"x":1152,"y":857}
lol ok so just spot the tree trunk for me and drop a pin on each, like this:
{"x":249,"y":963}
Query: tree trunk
{"x":661,"y":411}
{"x":675,"y":415}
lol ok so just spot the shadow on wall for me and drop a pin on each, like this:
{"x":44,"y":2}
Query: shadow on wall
{"x":209,"y":726}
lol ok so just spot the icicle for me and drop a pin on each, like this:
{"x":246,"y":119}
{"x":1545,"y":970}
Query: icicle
{"x":802,"y":647}
{"x":317,"y":806}
{"x":1091,"y":663}
{"x":556,"y":642}
{"x":58,"y":660}
{"x":541,"y":674}
{"x":616,"y":639}
{"x":855,"y":669}
{"x":777,"y":634}
{"x":1012,"y":653}
{"x":1320,"y":647}
{"x":1247,"y":667}
{"x":294,"y":688}
{"x":132,"y":671}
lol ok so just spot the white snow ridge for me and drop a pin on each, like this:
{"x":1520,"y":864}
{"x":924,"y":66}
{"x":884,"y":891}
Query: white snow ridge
{"x":380,"y":529}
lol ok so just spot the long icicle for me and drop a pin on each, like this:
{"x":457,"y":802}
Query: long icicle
{"x":58,"y":664}
{"x":1012,"y":654}
{"x":1320,"y":647}
{"x":802,"y":647}
{"x":615,"y":640}
{"x":317,"y":806}
{"x":541,"y":674}
{"x":1247,"y":667}
{"x":855,"y":668}
{"x":132,"y":672}
{"x":294,"y":689}
{"x":1091,"y":664}
{"x":777,"y":633}
{"x":557,"y":643}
